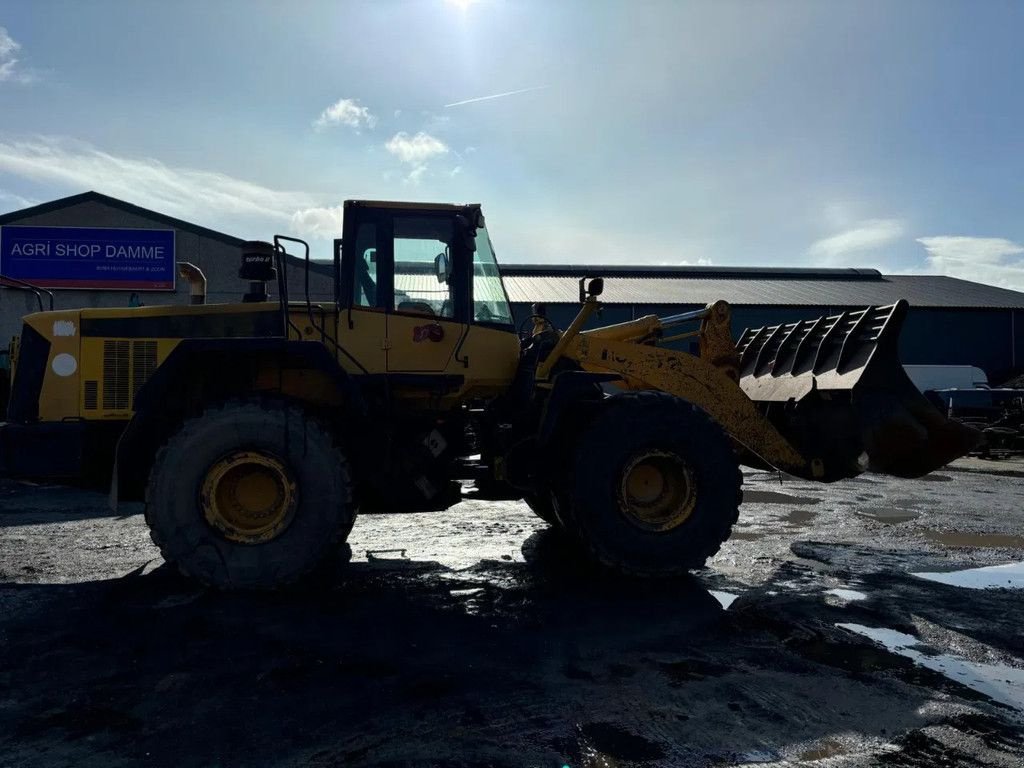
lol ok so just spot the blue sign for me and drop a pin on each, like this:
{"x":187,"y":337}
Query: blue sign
{"x":89,"y":257}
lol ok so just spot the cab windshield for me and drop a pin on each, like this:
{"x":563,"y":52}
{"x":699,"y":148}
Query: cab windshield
{"x":490,"y":302}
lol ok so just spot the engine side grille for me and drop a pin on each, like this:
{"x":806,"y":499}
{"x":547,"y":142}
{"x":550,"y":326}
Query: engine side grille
{"x":143,"y":364}
{"x":92,"y":391}
{"x":115,"y":375}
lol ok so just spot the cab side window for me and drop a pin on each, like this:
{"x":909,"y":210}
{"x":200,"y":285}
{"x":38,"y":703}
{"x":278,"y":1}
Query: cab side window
{"x":422,"y":248}
{"x":364,"y":286}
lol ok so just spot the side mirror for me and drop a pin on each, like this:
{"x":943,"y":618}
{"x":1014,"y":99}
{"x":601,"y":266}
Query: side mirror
{"x":593,"y":288}
{"x":442,"y":267}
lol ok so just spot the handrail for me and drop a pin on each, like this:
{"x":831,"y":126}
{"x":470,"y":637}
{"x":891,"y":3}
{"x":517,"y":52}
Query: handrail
{"x":13,"y":282}
{"x":281,"y":256}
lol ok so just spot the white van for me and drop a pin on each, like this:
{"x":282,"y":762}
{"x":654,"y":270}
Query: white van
{"x":927,"y":377}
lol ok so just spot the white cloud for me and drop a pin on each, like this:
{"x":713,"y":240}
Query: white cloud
{"x":214,"y":199}
{"x":11,"y":201}
{"x":416,"y":174}
{"x":318,"y":222}
{"x":701,"y":262}
{"x":867,"y":235}
{"x":416,"y":151}
{"x":981,"y":259}
{"x":535,"y":238}
{"x":345,"y":112}
{"x":9,"y":70}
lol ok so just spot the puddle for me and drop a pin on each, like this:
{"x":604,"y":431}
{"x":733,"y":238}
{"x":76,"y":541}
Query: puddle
{"x":757,"y":756}
{"x":1009,"y":576}
{"x":997,"y":681}
{"x":773,"y":497}
{"x":826,"y":749}
{"x":978,"y":540}
{"x":465,"y":592}
{"x":600,"y":741}
{"x":725,"y":598}
{"x":850,"y":595}
{"x":747,"y":535}
{"x":800,"y":517}
{"x":889,"y":515}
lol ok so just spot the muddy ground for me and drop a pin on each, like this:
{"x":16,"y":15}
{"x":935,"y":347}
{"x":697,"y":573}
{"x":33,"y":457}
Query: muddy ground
{"x":475,"y":637}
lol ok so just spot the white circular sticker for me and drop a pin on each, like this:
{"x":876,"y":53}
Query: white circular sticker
{"x":64,"y":364}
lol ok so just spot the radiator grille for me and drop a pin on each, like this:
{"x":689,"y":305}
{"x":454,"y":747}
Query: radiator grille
{"x":92,"y":391}
{"x":115,"y":375}
{"x":143,"y":364}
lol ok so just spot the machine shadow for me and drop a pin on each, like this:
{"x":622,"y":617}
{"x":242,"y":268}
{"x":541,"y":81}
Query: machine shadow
{"x":400,"y":663}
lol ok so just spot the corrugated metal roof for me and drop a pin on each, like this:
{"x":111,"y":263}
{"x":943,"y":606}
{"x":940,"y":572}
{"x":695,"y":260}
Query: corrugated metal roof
{"x":759,"y":288}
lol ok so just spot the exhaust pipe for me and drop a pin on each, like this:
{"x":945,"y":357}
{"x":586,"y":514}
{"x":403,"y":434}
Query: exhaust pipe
{"x":196,"y":281}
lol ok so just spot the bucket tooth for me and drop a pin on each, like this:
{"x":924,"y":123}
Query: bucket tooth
{"x":835,"y":388}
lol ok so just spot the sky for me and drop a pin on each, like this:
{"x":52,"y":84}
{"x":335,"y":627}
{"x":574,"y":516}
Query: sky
{"x":832,"y":134}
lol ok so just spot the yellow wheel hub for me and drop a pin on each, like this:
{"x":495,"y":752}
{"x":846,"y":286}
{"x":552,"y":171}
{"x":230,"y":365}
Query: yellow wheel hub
{"x":658,"y":491}
{"x":248,"y":496}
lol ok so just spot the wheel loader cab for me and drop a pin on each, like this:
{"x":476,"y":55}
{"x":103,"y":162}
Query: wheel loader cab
{"x":422,"y":283}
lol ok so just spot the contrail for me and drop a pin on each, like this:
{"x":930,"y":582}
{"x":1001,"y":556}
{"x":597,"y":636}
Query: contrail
{"x":495,"y":96}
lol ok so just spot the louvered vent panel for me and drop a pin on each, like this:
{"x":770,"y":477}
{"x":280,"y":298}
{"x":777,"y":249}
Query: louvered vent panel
{"x":92,"y":392}
{"x":143,"y":364}
{"x":115,"y":375}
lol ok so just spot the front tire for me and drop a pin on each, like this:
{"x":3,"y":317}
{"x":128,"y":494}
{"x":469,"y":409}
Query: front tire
{"x":654,"y":486}
{"x":542,"y":504}
{"x":250,"y":495}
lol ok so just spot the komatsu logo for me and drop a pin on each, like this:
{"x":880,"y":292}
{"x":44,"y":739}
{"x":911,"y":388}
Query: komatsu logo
{"x":63,"y":328}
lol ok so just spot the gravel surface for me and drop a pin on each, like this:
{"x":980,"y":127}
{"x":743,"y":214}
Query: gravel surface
{"x":477,"y":637}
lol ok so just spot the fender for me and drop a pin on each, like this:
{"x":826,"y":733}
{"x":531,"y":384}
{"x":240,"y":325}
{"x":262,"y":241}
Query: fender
{"x":541,"y":455}
{"x":182,"y":384}
{"x":570,"y":388}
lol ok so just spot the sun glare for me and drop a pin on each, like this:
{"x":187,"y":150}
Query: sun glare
{"x":462,"y":5}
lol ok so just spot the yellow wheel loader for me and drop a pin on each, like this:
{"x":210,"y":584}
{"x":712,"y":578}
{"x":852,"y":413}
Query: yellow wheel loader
{"x":254,"y":431}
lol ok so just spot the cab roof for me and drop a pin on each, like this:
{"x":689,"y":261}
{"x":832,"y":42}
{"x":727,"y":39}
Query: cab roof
{"x":411,"y":206}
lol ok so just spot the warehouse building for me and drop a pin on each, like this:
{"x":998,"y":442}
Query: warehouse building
{"x":92,"y":250}
{"x":951,"y":322}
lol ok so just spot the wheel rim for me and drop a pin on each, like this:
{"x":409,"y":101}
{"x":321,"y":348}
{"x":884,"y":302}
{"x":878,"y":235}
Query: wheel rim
{"x":658,"y":491}
{"x":250,"y":497}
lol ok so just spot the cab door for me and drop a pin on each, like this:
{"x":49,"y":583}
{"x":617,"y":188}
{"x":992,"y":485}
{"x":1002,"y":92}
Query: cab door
{"x":362,"y":317}
{"x":427,"y":316}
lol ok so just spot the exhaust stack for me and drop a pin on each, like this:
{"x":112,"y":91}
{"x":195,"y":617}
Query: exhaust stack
{"x":196,"y":281}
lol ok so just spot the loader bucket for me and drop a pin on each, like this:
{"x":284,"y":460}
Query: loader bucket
{"x":834,"y":387}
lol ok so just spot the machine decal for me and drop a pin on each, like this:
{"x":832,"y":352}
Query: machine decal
{"x":64,"y":365}
{"x":431,"y":332}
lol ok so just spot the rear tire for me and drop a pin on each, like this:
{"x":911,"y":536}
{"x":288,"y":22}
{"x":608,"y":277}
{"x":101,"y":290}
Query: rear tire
{"x":654,"y":486}
{"x":250,"y":495}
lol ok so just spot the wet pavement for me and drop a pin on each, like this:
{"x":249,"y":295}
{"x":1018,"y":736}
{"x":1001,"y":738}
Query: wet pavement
{"x":871,"y":622}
